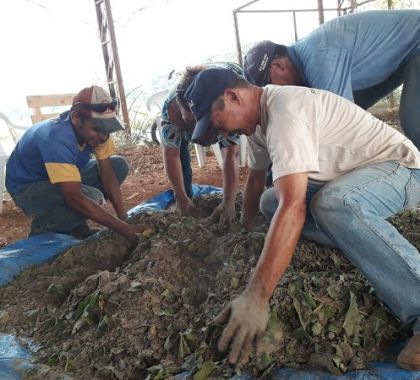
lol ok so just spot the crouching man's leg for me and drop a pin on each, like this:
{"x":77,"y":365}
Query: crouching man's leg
{"x":352,"y":211}
{"x":410,"y":100}
{"x":185,"y":157}
{"x":90,"y":172}
{"x":45,"y":203}
{"x":269,"y":204}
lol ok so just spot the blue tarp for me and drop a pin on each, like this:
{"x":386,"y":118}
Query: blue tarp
{"x":15,"y":360}
{"x":376,"y":371}
{"x":31,"y":252}
{"x":163,"y":200}
{"x":12,"y":355}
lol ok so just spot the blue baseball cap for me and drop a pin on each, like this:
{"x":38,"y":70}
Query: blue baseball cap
{"x":206,"y":87}
{"x":257,"y":61}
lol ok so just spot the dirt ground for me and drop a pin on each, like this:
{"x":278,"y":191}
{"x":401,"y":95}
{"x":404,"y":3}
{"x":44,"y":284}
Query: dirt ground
{"x":105,"y":311}
{"x":146,"y":179}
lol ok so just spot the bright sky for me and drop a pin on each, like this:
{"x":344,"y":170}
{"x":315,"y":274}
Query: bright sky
{"x":52,"y":46}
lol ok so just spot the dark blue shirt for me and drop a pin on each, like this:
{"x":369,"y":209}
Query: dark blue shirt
{"x":49,"y":151}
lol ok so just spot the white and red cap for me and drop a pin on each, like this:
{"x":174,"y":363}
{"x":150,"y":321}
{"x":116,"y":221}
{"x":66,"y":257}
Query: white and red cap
{"x":101,"y":107}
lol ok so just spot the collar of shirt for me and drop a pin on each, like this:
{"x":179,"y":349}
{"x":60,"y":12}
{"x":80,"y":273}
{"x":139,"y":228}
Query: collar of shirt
{"x":296,"y":62}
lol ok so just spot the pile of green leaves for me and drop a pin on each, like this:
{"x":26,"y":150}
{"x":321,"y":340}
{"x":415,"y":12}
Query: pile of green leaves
{"x":151,"y":317}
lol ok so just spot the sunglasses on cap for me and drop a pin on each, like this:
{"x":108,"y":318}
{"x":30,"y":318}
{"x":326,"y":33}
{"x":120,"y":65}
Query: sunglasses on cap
{"x":97,"y":107}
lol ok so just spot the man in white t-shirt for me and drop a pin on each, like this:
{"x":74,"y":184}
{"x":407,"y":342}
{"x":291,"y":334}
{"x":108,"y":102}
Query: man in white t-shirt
{"x":338,"y":174}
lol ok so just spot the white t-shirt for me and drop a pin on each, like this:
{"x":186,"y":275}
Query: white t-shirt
{"x":304,"y":130}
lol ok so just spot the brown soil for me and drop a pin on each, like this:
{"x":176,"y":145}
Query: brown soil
{"x":105,"y":311}
{"x":146,"y":179}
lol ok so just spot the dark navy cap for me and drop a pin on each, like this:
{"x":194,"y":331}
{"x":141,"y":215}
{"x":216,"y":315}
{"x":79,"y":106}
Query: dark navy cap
{"x":257,"y":62}
{"x":206,"y":87}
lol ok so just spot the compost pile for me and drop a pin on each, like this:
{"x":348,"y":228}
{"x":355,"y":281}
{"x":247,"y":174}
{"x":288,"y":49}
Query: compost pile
{"x":105,"y":311}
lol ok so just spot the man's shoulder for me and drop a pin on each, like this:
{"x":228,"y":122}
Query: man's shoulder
{"x":287,"y":105}
{"x":171,"y":95}
{"x":167,"y":102}
{"x":58,"y":129}
{"x":287,"y":93}
{"x":47,"y":128}
{"x":55,"y":134}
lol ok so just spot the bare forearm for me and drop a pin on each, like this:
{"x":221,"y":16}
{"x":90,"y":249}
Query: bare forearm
{"x":278,"y":250}
{"x":230,"y":174}
{"x":253,"y":189}
{"x":93,"y":211}
{"x":113,"y":190}
{"x":173,"y":170}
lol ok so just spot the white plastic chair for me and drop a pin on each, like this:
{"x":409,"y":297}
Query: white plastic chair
{"x":243,"y":145}
{"x":3,"y":160}
{"x":199,"y":150}
{"x":201,"y":156}
{"x":15,"y":131}
{"x":13,"y":128}
{"x":155,"y":102}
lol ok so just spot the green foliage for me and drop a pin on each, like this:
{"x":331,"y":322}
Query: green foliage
{"x":140,"y":133}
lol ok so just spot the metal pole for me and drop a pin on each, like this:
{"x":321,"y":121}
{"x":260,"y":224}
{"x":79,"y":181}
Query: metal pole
{"x":321,"y":11}
{"x":295,"y":26}
{"x":238,"y":42}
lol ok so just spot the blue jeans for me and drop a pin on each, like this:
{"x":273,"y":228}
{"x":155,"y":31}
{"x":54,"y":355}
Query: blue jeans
{"x":408,"y":74}
{"x":350,"y":214}
{"x":45,"y":202}
{"x":185,"y":158}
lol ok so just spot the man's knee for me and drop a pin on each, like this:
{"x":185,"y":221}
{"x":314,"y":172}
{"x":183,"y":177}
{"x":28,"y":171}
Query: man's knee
{"x":121,"y":167}
{"x":268,"y":203}
{"x":413,"y":64}
{"x":326,"y":208}
{"x":94,"y":194}
{"x":409,"y":104}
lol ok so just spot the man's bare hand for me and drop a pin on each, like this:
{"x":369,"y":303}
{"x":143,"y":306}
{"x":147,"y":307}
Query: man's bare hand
{"x":248,"y":318}
{"x":123,"y":215}
{"x":247,"y":223}
{"x":224,"y":214}
{"x":140,"y":228}
{"x":3,"y":241}
{"x":187,"y":208}
{"x":133,"y":230}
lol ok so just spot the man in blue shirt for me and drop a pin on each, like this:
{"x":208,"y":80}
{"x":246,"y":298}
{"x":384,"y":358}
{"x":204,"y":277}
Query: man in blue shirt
{"x":176,"y":130}
{"x":362,"y":57}
{"x":50,"y":174}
